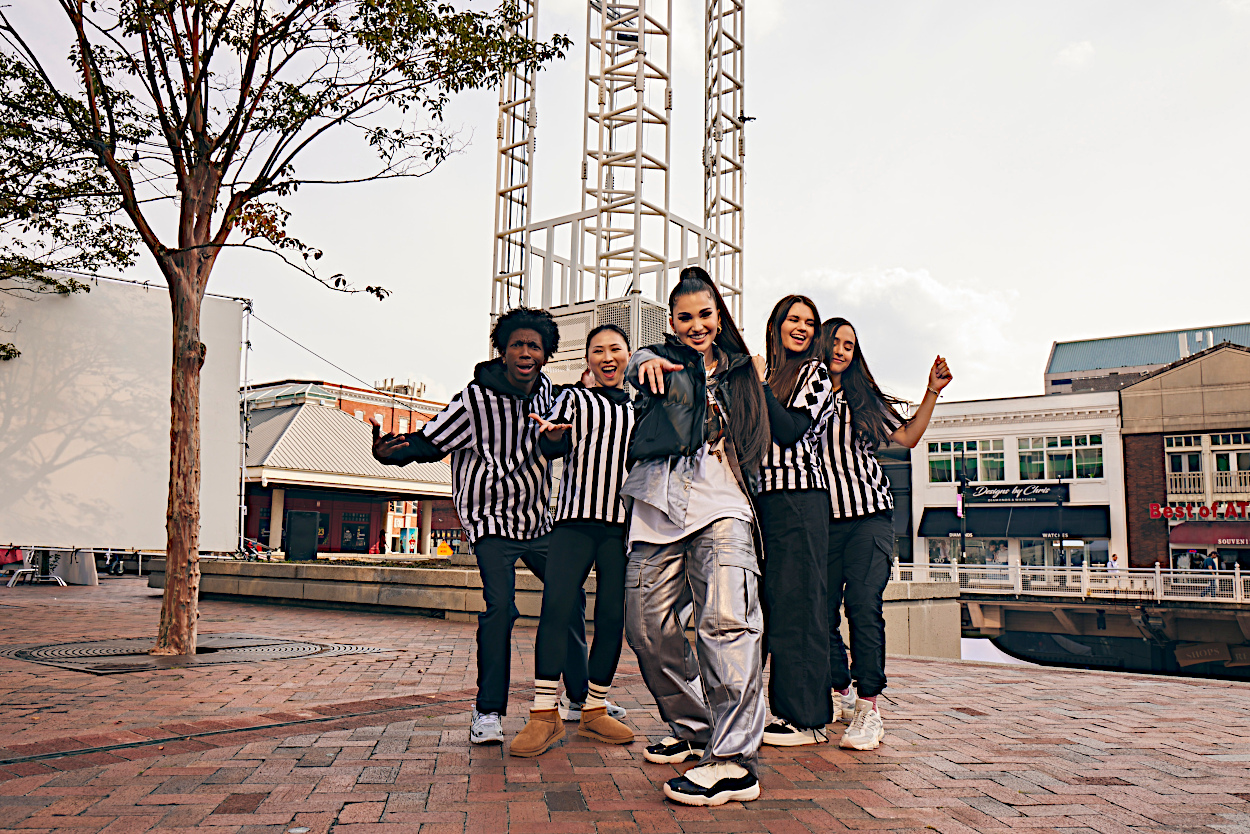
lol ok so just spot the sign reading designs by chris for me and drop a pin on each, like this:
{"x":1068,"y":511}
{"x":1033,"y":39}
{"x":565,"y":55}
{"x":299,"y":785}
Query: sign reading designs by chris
{"x":1017,"y":494}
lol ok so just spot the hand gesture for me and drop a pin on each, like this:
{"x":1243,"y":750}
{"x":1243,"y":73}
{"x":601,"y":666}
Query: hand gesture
{"x":588,"y":379}
{"x":651,"y":374}
{"x":385,"y":445}
{"x":940,"y":375}
{"x":761,"y":367}
{"x":552,"y":431}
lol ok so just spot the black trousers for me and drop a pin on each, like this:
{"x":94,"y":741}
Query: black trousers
{"x":860,"y":553}
{"x":496,"y":560}
{"x":575,"y":547}
{"x":796,"y":582}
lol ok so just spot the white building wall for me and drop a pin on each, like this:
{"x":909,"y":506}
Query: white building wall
{"x":1021,"y":417}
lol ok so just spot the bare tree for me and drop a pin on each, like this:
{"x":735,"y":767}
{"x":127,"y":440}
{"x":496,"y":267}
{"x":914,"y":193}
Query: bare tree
{"x":199,"y":112}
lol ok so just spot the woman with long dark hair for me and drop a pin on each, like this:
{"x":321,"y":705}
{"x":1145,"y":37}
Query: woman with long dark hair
{"x":589,"y":428}
{"x":702,"y":429}
{"x":861,"y":531}
{"x":794,"y":511}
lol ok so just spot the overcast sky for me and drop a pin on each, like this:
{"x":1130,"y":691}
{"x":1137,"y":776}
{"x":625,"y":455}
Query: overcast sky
{"x":977,"y":179}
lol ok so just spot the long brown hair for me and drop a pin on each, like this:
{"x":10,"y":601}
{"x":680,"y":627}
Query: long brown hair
{"x":748,"y":413}
{"x":870,"y":406}
{"x":784,"y":366}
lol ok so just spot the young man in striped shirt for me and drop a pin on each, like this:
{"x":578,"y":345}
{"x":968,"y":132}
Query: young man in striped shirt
{"x":502,"y":489}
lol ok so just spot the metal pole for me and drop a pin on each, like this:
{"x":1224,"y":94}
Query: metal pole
{"x":963,"y":509}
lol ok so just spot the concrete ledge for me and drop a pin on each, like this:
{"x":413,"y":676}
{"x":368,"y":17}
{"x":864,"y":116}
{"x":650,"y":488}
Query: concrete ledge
{"x":922,"y":619}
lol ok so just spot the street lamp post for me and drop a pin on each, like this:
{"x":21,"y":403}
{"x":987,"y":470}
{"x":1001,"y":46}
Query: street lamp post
{"x":962,"y":508}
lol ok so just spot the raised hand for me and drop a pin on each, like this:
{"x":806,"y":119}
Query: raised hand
{"x":761,"y":367}
{"x":940,"y":375}
{"x":552,"y":431}
{"x":385,"y":445}
{"x":651,"y":374}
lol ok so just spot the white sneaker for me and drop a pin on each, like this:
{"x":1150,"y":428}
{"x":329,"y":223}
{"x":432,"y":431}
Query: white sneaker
{"x":866,"y":729}
{"x":570,"y":711}
{"x":487,"y":728}
{"x":781,"y":733}
{"x":844,"y":705}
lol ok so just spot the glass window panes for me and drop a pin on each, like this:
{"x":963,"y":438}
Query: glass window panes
{"x":1066,"y":456}
{"x":1243,"y":461}
{"x":1230,"y":439}
{"x":977,"y":458}
{"x":1059,"y":464}
{"x":1032,"y":466}
{"x":1089,"y":463}
{"x":1222,"y":462}
{"x":1182,"y":440}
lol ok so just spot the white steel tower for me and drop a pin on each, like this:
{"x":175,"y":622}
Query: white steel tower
{"x":616,"y":258}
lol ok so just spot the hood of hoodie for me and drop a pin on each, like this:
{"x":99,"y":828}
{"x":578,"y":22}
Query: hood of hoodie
{"x":493,"y":376}
{"x":616,"y":395}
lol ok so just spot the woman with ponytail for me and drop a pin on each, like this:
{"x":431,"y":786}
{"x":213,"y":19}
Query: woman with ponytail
{"x":701,"y":430}
{"x":861,"y":531}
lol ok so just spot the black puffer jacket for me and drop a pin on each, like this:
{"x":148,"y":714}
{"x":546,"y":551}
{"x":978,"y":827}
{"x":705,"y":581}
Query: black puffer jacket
{"x":674,"y":423}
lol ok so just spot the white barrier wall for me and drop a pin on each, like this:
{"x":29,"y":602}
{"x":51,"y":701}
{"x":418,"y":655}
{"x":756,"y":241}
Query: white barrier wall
{"x":84,"y":420}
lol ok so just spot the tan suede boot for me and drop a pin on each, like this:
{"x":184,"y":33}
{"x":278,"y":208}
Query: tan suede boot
{"x":543,"y":730}
{"x":597,"y":724}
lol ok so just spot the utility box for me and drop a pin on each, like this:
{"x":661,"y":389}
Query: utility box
{"x":644,"y":321}
{"x":301,"y":535}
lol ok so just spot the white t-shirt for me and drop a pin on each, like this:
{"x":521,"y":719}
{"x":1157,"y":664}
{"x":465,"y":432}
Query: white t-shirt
{"x":714,"y":494}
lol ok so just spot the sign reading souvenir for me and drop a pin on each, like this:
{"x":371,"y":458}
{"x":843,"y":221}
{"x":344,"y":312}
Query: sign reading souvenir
{"x":1016,"y":494}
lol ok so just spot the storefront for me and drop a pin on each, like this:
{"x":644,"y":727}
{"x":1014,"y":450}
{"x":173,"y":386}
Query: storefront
{"x":1044,"y":482}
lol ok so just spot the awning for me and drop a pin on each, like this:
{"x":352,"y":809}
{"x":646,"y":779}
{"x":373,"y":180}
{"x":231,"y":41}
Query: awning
{"x":1211,"y":534}
{"x":1020,"y":522}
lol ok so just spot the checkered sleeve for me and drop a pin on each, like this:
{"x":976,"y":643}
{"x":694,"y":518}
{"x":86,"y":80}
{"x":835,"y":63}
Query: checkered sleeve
{"x":812,"y":391}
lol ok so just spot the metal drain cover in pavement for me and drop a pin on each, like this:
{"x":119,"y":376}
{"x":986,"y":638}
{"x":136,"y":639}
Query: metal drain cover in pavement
{"x":107,"y":657}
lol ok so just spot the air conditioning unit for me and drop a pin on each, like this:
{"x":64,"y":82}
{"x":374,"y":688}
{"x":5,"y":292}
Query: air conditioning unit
{"x":644,"y":321}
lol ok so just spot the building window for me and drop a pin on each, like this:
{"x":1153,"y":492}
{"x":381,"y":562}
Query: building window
{"x":1229,"y":439}
{"x":360,"y":415}
{"x":403,"y":425}
{"x":1181,"y":440}
{"x":1232,"y":471}
{"x":1061,"y":457}
{"x":982,"y":461}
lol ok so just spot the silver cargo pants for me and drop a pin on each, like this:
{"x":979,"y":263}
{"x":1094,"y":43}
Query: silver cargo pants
{"x":716,"y":570}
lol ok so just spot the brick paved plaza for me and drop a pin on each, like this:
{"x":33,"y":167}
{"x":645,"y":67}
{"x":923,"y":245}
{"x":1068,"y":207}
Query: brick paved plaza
{"x":379,"y":743}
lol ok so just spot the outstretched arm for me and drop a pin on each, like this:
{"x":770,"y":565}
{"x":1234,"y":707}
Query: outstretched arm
{"x":788,"y":425}
{"x":399,"y":449}
{"x":909,"y":433}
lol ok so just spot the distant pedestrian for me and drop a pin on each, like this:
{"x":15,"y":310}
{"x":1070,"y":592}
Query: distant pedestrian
{"x":1113,"y":564}
{"x":1212,"y":565}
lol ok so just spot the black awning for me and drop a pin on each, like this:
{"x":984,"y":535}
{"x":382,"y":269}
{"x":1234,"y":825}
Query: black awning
{"x":1020,"y":522}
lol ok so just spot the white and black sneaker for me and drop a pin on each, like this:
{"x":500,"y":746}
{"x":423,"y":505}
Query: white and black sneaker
{"x":570,"y":711}
{"x":672,"y":751}
{"x":713,"y":784}
{"x":781,"y":733}
{"x":487,"y":728}
{"x":844,"y":705}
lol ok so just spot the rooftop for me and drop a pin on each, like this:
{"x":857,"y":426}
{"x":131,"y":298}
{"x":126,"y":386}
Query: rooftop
{"x":1141,"y":350}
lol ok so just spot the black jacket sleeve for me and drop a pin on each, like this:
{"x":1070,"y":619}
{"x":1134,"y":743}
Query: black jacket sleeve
{"x":555,"y":449}
{"x":419,"y":450}
{"x":788,"y":424}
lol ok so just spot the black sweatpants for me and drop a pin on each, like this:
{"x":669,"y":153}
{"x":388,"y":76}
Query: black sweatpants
{"x":796,"y":581}
{"x":860,"y":553}
{"x":575,"y":547}
{"x":496,"y":560}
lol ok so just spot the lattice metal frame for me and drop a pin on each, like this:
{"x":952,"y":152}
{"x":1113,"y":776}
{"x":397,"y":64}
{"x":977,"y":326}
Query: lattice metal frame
{"x":514,"y":173}
{"x":725,"y":145}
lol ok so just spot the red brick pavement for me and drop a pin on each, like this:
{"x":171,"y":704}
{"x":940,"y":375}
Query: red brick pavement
{"x":378,"y":743}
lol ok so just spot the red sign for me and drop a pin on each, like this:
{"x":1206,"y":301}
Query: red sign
{"x":1217,"y":509}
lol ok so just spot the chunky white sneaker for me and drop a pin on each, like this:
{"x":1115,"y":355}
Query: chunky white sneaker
{"x":672,"y":750}
{"x":487,"y":728}
{"x":781,"y":733}
{"x":570,"y":711}
{"x":844,"y":705}
{"x":866,"y":729}
{"x":713,"y":784}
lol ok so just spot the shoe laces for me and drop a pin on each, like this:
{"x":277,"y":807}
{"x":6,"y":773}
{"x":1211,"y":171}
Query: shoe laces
{"x":860,"y":719}
{"x":486,"y":719}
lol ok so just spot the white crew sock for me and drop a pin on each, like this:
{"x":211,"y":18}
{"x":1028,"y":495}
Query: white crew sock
{"x":545,"y":694}
{"x":596,"y":697}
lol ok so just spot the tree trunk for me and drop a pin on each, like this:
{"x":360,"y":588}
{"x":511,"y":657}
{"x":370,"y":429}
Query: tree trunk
{"x":182,"y":518}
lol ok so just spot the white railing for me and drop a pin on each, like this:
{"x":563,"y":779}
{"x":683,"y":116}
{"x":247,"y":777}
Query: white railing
{"x":1185,"y":483}
{"x":1232,"y":481}
{"x":1158,"y":584}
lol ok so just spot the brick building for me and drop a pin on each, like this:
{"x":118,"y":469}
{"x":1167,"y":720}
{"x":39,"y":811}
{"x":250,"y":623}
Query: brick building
{"x":308,"y":451}
{"x":1186,"y":431}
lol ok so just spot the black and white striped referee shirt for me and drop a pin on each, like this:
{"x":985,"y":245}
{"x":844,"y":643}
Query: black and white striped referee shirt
{"x":500,"y":481}
{"x":858,"y":486}
{"x":800,"y":466}
{"x":602,"y":420}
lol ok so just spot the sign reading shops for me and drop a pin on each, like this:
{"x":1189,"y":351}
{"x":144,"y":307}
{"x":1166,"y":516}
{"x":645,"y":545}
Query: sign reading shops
{"x":1017,"y":494}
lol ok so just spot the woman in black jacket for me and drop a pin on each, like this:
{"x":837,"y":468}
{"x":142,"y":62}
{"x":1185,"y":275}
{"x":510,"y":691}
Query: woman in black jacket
{"x":701,"y":431}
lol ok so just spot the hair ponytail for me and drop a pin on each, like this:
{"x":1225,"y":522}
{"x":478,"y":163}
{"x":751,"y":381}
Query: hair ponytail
{"x":748,"y":413}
